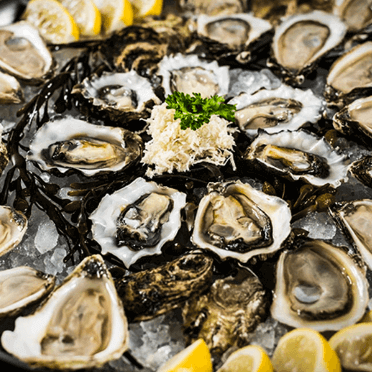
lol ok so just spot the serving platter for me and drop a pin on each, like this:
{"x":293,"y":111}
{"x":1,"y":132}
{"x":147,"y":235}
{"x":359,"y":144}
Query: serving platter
{"x":59,"y":205}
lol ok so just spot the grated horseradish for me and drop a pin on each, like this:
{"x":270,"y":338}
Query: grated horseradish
{"x":174,"y":149}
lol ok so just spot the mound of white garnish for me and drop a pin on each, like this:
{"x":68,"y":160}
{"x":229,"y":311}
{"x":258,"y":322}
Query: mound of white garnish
{"x":174,"y":149}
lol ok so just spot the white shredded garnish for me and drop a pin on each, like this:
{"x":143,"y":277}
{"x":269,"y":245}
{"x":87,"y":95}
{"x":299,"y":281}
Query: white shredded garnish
{"x":173,"y":148}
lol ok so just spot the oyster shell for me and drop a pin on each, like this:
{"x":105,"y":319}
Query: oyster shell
{"x":298,"y":155}
{"x":137,"y":220}
{"x":21,"y":287}
{"x":234,"y":34}
{"x":71,"y":144}
{"x":235,"y":220}
{"x":225,"y":315}
{"x":314,"y":34}
{"x":10,"y":89}
{"x":350,"y":75}
{"x":153,"y":292}
{"x":362,"y":170}
{"x":355,"y":119}
{"x":125,"y":96}
{"x":23,"y":53}
{"x":81,"y":324}
{"x":189,"y":74}
{"x":13,"y":226}
{"x":356,"y":14}
{"x":275,"y":110}
{"x":214,"y":7}
{"x":319,"y":286}
{"x":355,"y":219}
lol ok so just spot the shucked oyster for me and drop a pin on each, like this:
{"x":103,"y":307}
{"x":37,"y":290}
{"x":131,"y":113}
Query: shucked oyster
{"x":356,"y":14}
{"x":81,"y":324}
{"x":350,"y":74}
{"x":153,"y":292}
{"x":22,"y":286}
{"x":236,"y":220}
{"x":13,"y":226}
{"x":234,"y":34}
{"x":275,"y":110}
{"x":125,"y":96}
{"x":137,"y":220}
{"x":298,"y":155}
{"x":189,"y":74}
{"x":214,"y":7}
{"x":10,"y":89}
{"x":319,"y":286}
{"x":300,"y":40}
{"x":69,"y":143}
{"x":23,"y":52}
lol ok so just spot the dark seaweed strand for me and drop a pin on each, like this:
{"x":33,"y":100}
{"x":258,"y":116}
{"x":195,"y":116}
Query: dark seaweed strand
{"x":28,"y":187}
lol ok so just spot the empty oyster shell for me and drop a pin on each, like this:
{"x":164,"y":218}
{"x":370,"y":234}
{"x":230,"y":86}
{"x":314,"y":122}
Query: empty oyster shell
{"x":313,"y":34}
{"x":298,"y":155}
{"x":23,"y":53}
{"x":275,"y":110}
{"x":319,"y":286}
{"x":189,"y":74}
{"x":125,"y":96}
{"x":10,"y":89}
{"x":236,"y":220}
{"x":137,"y":220}
{"x":21,"y":287}
{"x":81,"y":324}
{"x":350,"y":74}
{"x":71,"y":144}
{"x":13,"y":226}
{"x":150,"y":293}
{"x":355,"y":220}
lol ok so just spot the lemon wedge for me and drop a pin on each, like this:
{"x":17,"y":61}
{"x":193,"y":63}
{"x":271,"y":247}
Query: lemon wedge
{"x":353,"y":346}
{"x":305,"y":350}
{"x":367,"y":317}
{"x":143,"y":8}
{"x":250,"y":358}
{"x":85,"y":14}
{"x":195,"y":358}
{"x":53,"y":21}
{"x":116,"y":14}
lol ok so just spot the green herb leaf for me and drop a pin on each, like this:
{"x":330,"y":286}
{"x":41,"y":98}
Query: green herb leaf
{"x":196,"y":111}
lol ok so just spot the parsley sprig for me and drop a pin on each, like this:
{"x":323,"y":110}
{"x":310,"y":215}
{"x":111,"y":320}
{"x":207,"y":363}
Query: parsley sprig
{"x":196,"y":111}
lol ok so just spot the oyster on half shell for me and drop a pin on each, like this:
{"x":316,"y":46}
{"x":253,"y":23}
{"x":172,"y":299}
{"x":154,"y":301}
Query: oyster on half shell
{"x":235,"y":220}
{"x":72,"y":144}
{"x":23,"y":52}
{"x":10,"y":89}
{"x":137,"y":220}
{"x":313,"y":34}
{"x":81,"y":324}
{"x":298,"y":155}
{"x":319,"y":286}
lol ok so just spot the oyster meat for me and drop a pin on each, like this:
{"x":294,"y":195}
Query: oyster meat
{"x":319,"y":286}
{"x":275,"y":110}
{"x":362,"y":170}
{"x":72,"y":144}
{"x":123,"y":95}
{"x":224,"y":316}
{"x":356,"y":119}
{"x":13,"y":226}
{"x":355,"y":219}
{"x":298,"y":155}
{"x":137,"y":220}
{"x":236,"y":220}
{"x":189,"y":74}
{"x":81,"y":324}
{"x":350,"y":73}
{"x":214,"y":7}
{"x":314,"y":34}
{"x":10,"y":89}
{"x":23,"y":53}
{"x":357,"y":14}
{"x":150,"y":293}
{"x":22,"y":286}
